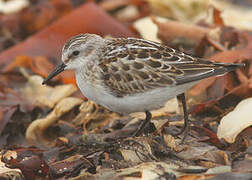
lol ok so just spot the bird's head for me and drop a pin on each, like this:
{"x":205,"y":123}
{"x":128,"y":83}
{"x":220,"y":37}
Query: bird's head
{"x":76,"y":53}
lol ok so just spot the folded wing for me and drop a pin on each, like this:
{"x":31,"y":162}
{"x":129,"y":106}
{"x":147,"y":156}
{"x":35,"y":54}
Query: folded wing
{"x":133,"y":66}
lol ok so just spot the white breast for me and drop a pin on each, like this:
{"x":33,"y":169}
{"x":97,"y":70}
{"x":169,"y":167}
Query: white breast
{"x":138,"y":103}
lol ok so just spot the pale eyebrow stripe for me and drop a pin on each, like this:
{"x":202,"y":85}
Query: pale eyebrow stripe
{"x":76,"y":42}
{"x":73,"y":41}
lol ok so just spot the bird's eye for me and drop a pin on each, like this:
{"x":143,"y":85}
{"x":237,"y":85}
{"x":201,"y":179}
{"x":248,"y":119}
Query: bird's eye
{"x":76,"y":53}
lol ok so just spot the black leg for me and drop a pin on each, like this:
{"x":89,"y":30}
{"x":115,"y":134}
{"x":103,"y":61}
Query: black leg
{"x":185,"y":129}
{"x":143,"y":124}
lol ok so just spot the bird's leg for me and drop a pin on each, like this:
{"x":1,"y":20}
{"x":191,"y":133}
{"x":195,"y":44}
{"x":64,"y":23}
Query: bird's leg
{"x":185,"y":129}
{"x":143,"y":124}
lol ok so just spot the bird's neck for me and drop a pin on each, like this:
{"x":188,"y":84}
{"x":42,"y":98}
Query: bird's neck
{"x":88,"y":71}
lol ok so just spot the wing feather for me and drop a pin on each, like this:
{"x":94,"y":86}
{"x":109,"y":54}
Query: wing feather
{"x":131,"y":66}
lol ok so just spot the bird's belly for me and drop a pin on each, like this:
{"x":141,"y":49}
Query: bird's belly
{"x":140,"y":102}
{"x":89,"y":91}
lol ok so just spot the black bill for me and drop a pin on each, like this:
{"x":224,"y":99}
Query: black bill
{"x":55,"y":72}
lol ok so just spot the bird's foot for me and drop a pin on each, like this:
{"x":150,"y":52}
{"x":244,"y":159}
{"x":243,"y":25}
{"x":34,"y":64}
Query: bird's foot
{"x":143,"y":124}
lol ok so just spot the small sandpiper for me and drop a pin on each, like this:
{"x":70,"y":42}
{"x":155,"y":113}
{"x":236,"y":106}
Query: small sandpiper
{"x":129,"y":75}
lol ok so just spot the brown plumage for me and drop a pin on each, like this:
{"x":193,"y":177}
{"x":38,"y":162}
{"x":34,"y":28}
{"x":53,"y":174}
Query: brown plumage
{"x":131,"y":66}
{"x":134,"y":75}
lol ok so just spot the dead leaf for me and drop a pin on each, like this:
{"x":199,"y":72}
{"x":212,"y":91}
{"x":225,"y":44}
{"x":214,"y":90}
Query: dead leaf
{"x":38,"y":94}
{"x":217,"y":20}
{"x":202,"y":86}
{"x":69,"y":166}
{"x":7,"y":172}
{"x":35,"y":131}
{"x":171,"y":30}
{"x":28,"y":161}
{"x":42,"y":13}
{"x":236,"y":121}
{"x":50,"y":40}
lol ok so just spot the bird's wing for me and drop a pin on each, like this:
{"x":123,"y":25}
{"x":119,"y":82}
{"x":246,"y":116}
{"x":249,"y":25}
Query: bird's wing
{"x":131,"y":66}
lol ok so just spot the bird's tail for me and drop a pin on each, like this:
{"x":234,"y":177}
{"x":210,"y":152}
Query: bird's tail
{"x":208,"y":69}
{"x":227,"y":67}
